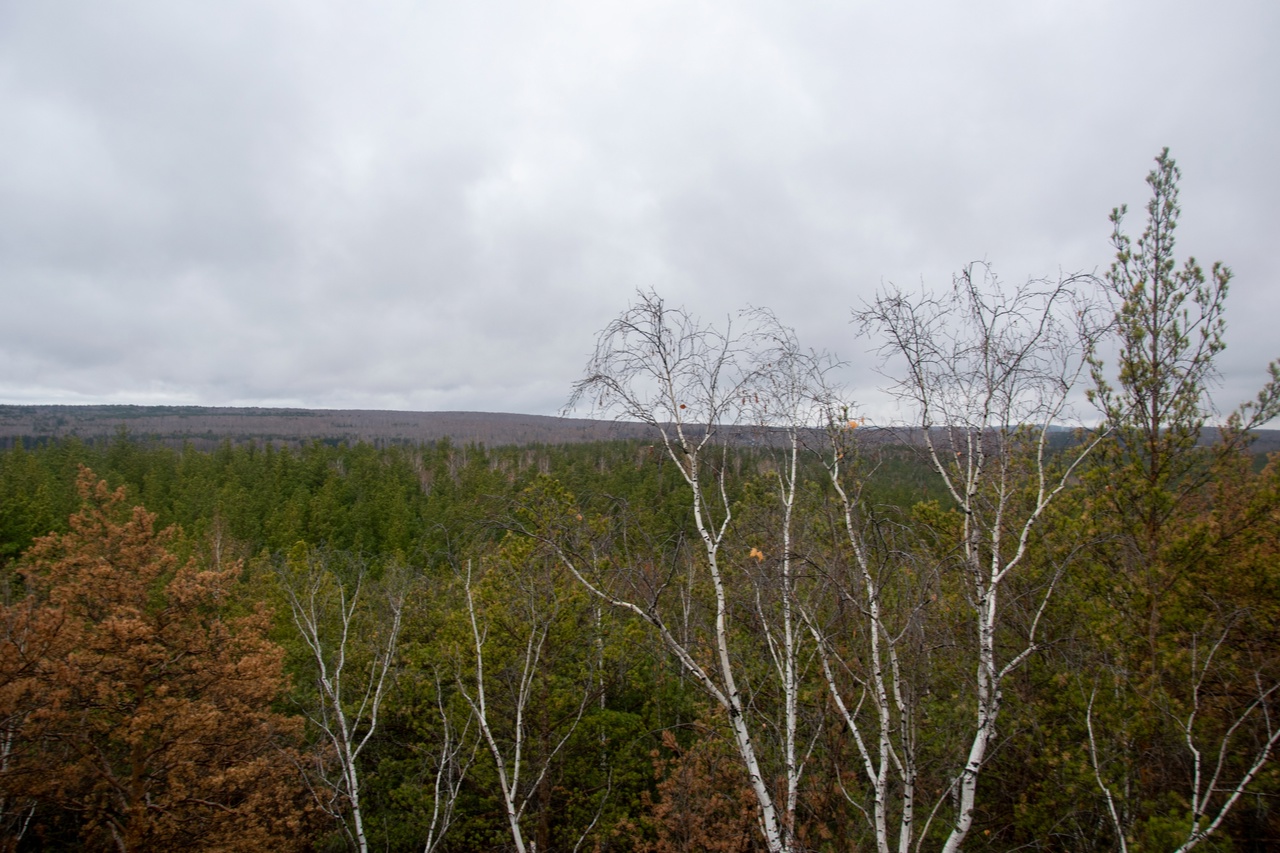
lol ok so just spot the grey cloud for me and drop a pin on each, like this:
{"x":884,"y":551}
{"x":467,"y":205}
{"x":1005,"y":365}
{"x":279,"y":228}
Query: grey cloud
{"x":429,"y":205}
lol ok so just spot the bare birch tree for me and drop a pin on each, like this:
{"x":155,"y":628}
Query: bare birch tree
{"x":1224,"y":761}
{"x":690,"y":382}
{"x":507,"y":731}
{"x":350,"y":626}
{"x":990,"y":374}
{"x":454,"y":754}
{"x":867,"y":624}
{"x":791,"y":402}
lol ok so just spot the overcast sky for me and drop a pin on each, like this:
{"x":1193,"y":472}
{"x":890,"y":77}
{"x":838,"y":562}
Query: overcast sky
{"x":437,"y":205}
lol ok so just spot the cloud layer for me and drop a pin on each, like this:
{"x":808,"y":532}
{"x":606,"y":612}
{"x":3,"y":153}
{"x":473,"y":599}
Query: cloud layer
{"x":436,"y":206}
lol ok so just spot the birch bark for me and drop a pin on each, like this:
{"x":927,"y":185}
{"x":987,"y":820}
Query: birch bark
{"x":691,"y":383}
{"x":350,"y":632}
{"x":989,"y":374}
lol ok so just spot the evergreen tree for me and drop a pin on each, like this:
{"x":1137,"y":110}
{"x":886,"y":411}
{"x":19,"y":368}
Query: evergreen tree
{"x":137,"y":714}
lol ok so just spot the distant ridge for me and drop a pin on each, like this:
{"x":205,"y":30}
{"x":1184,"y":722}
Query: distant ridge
{"x":205,"y":426}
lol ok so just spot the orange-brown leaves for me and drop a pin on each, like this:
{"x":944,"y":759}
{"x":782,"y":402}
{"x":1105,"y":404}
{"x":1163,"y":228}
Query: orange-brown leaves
{"x":703,"y":799}
{"x":139,"y":713}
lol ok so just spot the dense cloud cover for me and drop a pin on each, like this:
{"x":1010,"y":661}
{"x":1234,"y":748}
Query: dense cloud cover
{"x":436,"y":206}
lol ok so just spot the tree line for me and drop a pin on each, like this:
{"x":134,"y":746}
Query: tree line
{"x":996,"y":634}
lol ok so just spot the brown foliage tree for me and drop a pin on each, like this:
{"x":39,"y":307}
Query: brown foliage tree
{"x":703,"y":800}
{"x":136,"y":710}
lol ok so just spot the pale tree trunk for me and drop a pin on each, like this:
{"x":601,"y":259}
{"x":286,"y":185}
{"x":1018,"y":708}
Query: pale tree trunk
{"x":451,"y":769}
{"x":510,"y":758}
{"x":1117,"y":822}
{"x":730,"y":698}
{"x":352,"y":651}
{"x":886,"y":748}
{"x":787,"y":402}
{"x":786,"y":661}
{"x":1209,"y":776}
{"x":995,"y":371}
{"x":688,"y":381}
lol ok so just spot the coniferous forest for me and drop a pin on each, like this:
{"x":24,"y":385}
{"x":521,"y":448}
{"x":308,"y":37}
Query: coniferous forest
{"x":1043,"y":614}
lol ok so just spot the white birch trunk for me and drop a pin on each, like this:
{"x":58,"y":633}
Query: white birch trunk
{"x":450,"y":772}
{"x":731,"y":697}
{"x":511,"y":763}
{"x":662,"y":367}
{"x":1208,"y":781}
{"x":326,"y":617}
{"x":887,"y":750}
{"x":996,"y":371}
